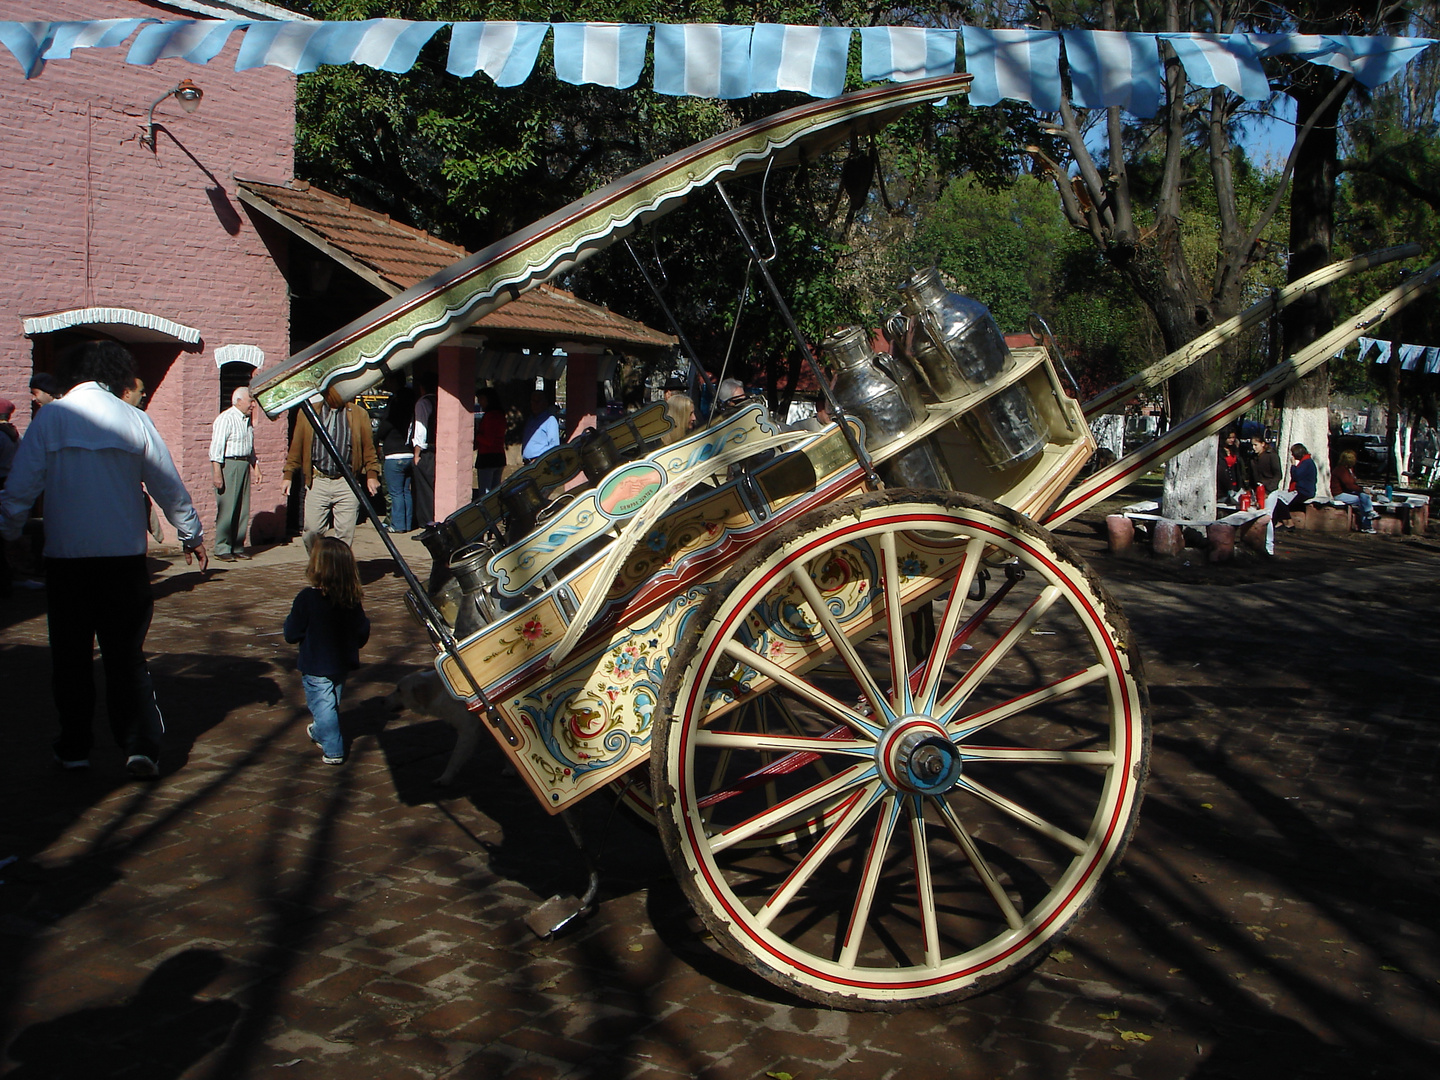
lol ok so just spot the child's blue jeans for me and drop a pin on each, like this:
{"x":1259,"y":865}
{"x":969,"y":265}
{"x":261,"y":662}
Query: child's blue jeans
{"x":322,"y":698}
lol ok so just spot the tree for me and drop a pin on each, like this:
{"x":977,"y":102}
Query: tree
{"x":473,"y":162}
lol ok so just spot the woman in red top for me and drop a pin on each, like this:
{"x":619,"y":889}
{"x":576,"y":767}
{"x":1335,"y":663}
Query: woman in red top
{"x":489,"y":443}
{"x":1344,"y":487}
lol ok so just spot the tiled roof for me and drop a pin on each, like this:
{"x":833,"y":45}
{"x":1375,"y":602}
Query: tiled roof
{"x":397,"y":253}
{"x":557,"y":315}
{"x":394,"y":257}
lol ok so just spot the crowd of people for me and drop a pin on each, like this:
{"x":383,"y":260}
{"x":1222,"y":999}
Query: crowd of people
{"x":91,"y":474}
{"x":1253,"y":480}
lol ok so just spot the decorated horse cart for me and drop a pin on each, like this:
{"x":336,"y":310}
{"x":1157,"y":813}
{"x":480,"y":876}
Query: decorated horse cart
{"x":891,"y":731}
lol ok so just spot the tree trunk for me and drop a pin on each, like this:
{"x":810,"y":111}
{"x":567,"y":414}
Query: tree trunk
{"x":1312,"y":218}
{"x":1165,"y":286}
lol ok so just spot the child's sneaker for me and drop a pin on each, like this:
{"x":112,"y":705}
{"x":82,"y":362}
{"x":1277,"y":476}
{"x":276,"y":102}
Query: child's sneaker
{"x":310,"y":731}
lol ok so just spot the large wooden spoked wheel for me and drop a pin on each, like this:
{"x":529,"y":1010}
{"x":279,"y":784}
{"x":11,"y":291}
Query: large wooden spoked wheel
{"x":946,"y":778}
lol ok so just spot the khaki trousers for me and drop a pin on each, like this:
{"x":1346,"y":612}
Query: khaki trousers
{"x":331,"y":509}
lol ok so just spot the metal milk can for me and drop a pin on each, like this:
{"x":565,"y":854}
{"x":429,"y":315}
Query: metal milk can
{"x":889,"y":407}
{"x":956,"y":344}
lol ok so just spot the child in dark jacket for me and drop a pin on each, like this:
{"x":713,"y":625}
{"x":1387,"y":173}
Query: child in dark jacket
{"x":330,"y":624}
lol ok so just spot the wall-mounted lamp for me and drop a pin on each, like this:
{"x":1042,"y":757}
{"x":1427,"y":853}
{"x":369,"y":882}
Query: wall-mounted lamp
{"x":186,"y":93}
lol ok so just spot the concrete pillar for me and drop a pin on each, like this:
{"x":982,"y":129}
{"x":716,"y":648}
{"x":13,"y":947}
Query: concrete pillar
{"x":582,"y":371}
{"x":1122,"y":533}
{"x":1169,"y":539}
{"x":1221,"y":538}
{"x":455,"y":423}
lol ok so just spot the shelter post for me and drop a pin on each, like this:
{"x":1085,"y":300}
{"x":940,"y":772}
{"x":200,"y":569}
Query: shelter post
{"x":455,"y":423}
{"x":582,"y":376}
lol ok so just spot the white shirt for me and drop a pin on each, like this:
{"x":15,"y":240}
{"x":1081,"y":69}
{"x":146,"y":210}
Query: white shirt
{"x":232,"y":436}
{"x":89,"y":453}
{"x":424,"y":419}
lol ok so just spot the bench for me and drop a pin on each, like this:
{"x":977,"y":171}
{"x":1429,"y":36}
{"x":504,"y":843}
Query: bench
{"x":1167,"y":535}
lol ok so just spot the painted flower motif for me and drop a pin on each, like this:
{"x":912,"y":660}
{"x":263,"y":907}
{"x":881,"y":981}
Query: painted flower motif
{"x":656,"y":540}
{"x":533,"y":630}
{"x":910,"y":566}
{"x":624,"y":664}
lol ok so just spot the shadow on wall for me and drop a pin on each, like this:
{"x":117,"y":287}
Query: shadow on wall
{"x":268,"y":526}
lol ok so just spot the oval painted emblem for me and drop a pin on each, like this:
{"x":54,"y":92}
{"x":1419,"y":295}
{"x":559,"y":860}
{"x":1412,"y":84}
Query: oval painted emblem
{"x":627,"y":490}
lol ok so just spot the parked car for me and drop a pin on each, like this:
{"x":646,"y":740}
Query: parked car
{"x":1372,"y":454}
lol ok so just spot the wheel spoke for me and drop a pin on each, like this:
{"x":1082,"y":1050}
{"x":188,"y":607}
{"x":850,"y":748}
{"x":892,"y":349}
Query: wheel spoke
{"x":950,"y":621}
{"x":844,"y":648}
{"x":869,"y":878}
{"x":797,"y":856}
{"x":801,"y":689}
{"x":895,"y":622}
{"x":1024,"y":816}
{"x":971,"y":680}
{"x":924,"y":883}
{"x":851,"y":811}
{"x":980,"y":865}
{"x":786,"y":744}
{"x":1026,"y":755}
{"x":964,"y":727}
{"x":807,"y":801}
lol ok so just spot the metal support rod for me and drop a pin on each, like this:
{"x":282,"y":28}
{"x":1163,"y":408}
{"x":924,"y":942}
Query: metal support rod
{"x":674,"y":322}
{"x":592,"y":885}
{"x":872,"y":478}
{"x":432,"y":618}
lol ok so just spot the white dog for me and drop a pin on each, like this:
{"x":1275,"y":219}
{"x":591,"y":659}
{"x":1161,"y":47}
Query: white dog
{"x":423,"y":692}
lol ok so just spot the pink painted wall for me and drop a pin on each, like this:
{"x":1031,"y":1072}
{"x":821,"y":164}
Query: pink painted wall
{"x":89,"y":217}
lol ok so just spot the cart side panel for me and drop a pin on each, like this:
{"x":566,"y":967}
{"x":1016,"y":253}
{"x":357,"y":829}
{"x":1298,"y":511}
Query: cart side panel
{"x":583,"y":725}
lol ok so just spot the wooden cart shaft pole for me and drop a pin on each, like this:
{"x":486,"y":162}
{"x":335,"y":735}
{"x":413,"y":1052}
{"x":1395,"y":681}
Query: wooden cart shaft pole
{"x":1112,"y":399}
{"x":1130,"y":468}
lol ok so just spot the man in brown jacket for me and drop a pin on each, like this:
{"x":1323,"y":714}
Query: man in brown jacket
{"x":331,"y":508}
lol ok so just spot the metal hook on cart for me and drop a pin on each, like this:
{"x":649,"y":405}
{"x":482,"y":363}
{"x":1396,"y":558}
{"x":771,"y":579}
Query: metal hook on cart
{"x":1036,"y":322}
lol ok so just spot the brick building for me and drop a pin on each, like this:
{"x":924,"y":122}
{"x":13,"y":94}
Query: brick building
{"x":103,"y":235}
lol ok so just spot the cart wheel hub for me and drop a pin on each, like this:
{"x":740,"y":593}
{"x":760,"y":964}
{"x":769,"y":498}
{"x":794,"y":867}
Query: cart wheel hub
{"x":916,"y":756}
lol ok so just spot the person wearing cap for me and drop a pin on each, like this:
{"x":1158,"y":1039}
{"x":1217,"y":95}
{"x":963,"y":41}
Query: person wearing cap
{"x":44,"y":388}
{"x":89,"y":454}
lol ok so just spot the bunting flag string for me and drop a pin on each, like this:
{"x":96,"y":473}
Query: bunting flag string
{"x":1425,"y":358}
{"x":730,"y":61}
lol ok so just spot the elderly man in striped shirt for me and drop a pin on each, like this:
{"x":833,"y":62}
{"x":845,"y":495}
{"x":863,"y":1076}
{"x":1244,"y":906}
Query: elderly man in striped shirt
{"x":233,"y":467}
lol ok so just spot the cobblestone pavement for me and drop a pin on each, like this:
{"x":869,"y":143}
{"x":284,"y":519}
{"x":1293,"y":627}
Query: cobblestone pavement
{"x":258,"y":914}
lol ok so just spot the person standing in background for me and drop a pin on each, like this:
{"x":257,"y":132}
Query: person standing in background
{"x":1265,"y":468}
{"x":9,"y":438}
{"x":89,"y":453}
{"x":541,"y":432}
{"x":9,"y":443}
{"x":330,"y":504}
{"x":489,"y":443}
{"x":44,"y":388}
{"x":422,"y":439}
{"x":394,"y":435}
{"x":232,"y":469}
